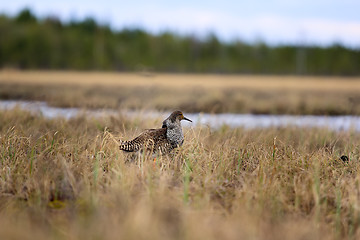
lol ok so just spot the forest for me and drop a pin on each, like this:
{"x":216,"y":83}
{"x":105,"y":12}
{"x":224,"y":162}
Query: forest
{"x":33,"y":43}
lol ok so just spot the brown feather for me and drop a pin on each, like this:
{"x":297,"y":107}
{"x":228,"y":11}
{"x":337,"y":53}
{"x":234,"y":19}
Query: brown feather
{"x":153,"y":140}
{"x":161,"y":140}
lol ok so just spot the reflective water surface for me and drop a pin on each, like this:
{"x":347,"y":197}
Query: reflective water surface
{"x":246,"y":121}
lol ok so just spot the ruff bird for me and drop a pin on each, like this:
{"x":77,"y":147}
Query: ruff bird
{"x":162,"y":140}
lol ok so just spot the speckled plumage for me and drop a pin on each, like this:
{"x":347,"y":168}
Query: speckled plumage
{"x":162,"y":140}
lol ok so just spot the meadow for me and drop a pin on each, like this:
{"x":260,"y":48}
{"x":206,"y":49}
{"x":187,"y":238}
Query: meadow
{"x":66,"y":179}
{"x":189,"y":92}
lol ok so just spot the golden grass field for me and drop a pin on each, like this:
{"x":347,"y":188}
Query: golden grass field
{"x":191,"y":93}
{"x":66,"y":179}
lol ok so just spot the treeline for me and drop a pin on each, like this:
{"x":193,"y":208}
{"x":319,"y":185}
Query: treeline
{"x":27,"y":42}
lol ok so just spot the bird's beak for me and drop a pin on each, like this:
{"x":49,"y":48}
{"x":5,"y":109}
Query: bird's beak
{"x":187,"y":119}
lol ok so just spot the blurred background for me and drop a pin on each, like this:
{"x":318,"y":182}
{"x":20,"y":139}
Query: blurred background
{"x":258,"y":37}
{"x":258,"y":57}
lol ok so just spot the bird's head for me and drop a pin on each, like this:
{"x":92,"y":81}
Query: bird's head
{"x":174,"y":117}
{"x":178,"y":115}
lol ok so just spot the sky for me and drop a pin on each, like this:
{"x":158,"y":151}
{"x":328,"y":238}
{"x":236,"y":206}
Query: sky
{"x":321,"y":22}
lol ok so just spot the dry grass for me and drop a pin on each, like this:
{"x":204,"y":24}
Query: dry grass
{"x":191,"y":93}
{"x":67,"y":180}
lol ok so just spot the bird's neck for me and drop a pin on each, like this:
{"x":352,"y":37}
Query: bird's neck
{"x":174,"y":133}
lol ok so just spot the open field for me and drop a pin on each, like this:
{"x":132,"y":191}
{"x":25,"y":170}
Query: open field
{"x":66,"y":179}
{"x":190,"y":93}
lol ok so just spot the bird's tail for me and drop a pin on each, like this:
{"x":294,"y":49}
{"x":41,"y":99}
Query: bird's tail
{"x":128,"y":146}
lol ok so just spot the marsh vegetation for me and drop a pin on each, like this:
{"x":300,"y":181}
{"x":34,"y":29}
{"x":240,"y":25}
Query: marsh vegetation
{"x":66,"y":179}
{"x":190,"y":93}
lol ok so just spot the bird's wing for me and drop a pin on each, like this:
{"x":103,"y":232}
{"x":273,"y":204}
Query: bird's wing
{"x":147,"y":139}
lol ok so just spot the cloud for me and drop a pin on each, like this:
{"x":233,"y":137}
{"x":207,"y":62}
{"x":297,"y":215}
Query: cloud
{"x":271,"y":28}
{"x":274,"y":21}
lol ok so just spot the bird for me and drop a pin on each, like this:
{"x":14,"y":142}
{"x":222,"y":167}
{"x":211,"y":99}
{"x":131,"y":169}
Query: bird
{"x":161,"y":140}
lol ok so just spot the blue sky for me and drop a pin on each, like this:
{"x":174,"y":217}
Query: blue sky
{"x":273,"y":21}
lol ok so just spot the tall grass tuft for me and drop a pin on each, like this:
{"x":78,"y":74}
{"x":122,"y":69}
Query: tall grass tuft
{"x":66,"y":179}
